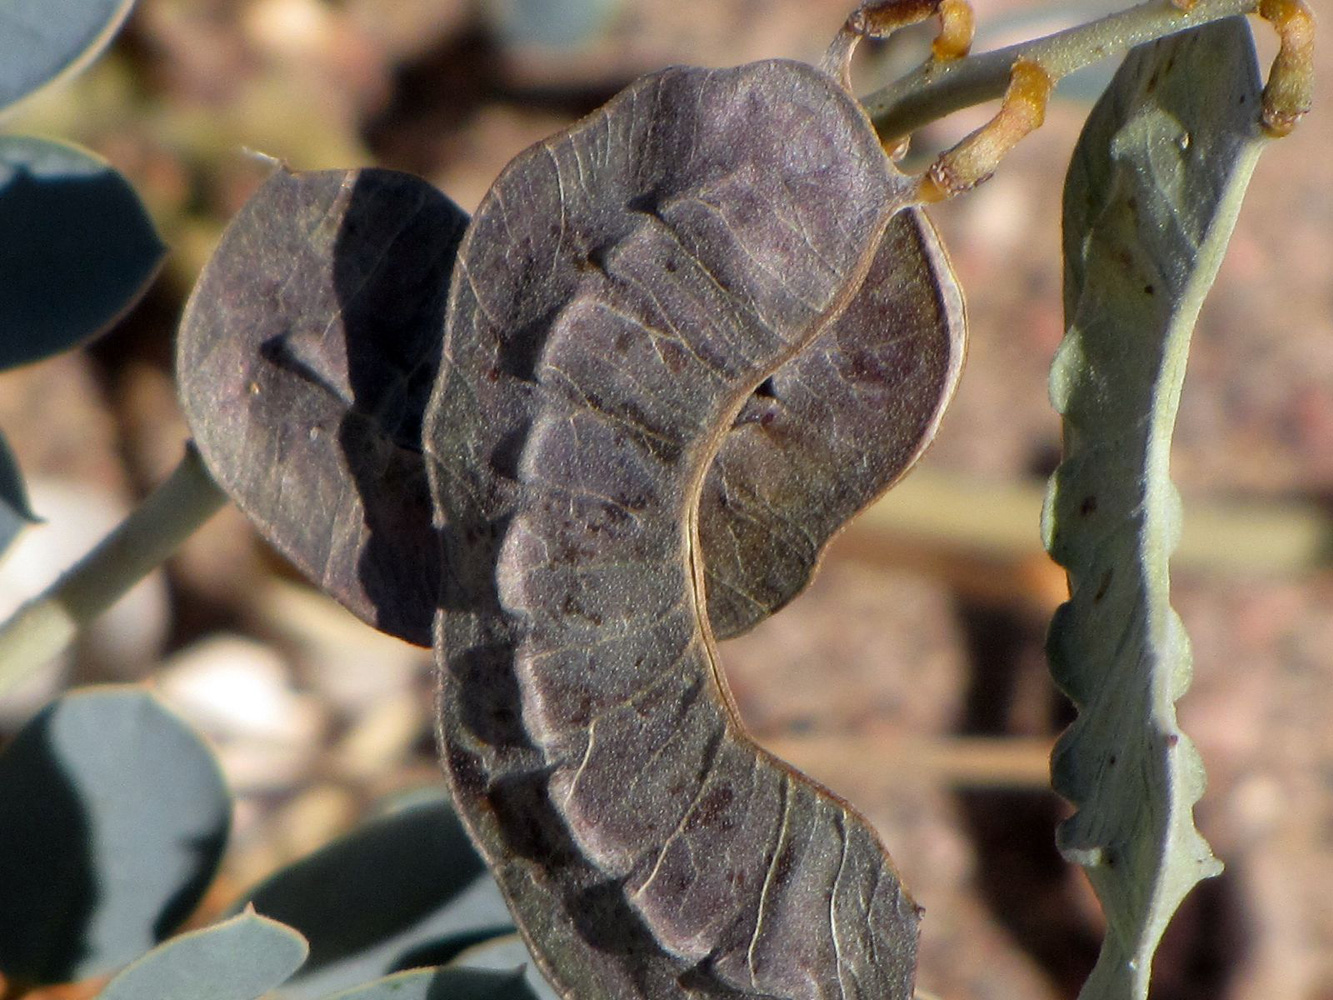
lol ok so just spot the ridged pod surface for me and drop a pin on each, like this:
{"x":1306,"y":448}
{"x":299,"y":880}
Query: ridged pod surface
{"x":700,"y":304}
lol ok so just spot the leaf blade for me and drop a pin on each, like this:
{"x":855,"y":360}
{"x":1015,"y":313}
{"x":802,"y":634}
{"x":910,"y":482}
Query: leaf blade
{"x":113,"y":816}
{"x":385,"y":888}
{"x":508,"y":953}
{"x":239,"y":959}
{"x":80,"y":249}
{"x":41,"y":40}
{"x":1150,"y":201}
{"x":442,"y":984}
{"x":14,"y":509}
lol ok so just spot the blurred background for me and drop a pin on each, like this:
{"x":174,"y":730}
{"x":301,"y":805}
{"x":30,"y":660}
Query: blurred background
{"x":910,"y":677}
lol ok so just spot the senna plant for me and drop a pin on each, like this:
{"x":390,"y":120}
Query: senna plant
{"x":617,"y":413}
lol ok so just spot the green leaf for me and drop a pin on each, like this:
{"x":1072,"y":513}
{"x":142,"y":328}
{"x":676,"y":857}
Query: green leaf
{"x":79,"y":248}
{"x":507,"y":953}
{"x":238,"y":959}
{"x":1150,"y":202}
{"x":557,"y":24}
{"x":446,"y":949}
{"x":443,"y":984}
{"x":385,"y":888}
{"x":14,"y":509}
{"x":41,"y":39}
{"x":113,"y":815}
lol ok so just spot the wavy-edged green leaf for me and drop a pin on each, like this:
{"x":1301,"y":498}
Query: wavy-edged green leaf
{"x":113,"y":815}
{"x":1150,"y":201}
{"x":79,"y":248}
{"x":239,"y":959}
{"x":14,"y":509}
{"x":43,"y":39}
{"x":384,"y":889}
{"x":443,"y":984}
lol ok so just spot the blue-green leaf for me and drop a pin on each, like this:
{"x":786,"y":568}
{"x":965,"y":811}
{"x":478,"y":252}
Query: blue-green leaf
{"x":239,"y":959}
{"x":507,"y":953}
{"x":113,"y":815}
{"x":78,"y":250}
{"x":1150,"y":201}
{"x":565,"y":24}
{"x":42,"y":39}
{"x":14,"y":509}
{"x":443,"y":984}
{"x":366,"y":899}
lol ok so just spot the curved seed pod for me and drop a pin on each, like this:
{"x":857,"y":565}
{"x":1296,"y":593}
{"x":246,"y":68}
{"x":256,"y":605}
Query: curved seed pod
{"x":305,"y":359}
{"x":310,"y":343}
{"x":864,"y":399}
{"x":622,"y":292}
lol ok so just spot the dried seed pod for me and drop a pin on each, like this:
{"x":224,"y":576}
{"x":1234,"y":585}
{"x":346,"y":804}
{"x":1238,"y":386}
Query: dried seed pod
{"x":713,"y":251}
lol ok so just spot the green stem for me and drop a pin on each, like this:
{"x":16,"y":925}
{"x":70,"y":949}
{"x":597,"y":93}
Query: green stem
{"x":44,"y":626}
{"x":937,"y":89}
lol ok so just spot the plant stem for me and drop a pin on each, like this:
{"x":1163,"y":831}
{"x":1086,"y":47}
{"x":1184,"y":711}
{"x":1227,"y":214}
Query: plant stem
{"x":44,"y":626}
{"x":938,"y":88}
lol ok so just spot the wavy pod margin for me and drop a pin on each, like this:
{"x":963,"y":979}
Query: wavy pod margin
{"x":864,"y":398}
{"x":622,"y":291}
{"x":312,"y":339}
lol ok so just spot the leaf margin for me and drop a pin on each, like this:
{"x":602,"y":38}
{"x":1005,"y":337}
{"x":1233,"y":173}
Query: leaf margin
{"x":1074,"y":529}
